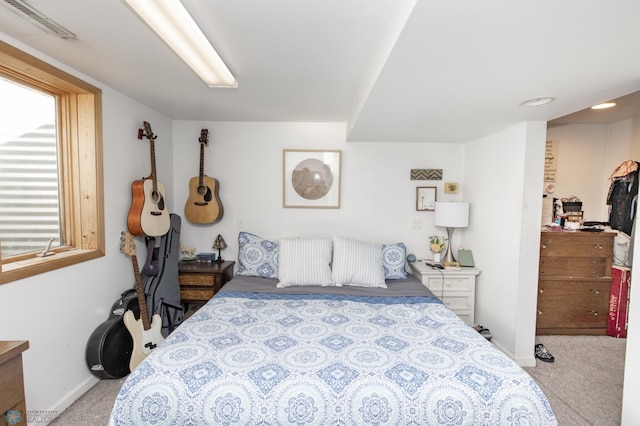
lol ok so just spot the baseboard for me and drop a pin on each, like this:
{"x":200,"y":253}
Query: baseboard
{"x":73,"y":395}
{"x":529,"y":361}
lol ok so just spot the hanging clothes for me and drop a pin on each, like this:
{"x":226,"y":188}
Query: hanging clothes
{"x":623,"y":197}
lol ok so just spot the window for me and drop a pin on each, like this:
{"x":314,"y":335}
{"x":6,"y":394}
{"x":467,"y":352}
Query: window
{"x":29,"y":195}
{"x":50,"y":173}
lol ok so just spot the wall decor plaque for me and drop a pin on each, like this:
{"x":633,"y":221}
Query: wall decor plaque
{"x":426,"y":174}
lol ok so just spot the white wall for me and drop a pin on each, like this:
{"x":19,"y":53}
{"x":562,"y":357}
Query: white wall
{"x":505,"y":219}
{"x":585,"y":162}
{"x":58,"y":311}
{"x":378,"y":197}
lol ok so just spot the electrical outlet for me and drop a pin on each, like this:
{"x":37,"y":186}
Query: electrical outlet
{"x":416,"y":224}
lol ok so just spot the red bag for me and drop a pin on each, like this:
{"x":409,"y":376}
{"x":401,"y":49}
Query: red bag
{"x":619,"y":301}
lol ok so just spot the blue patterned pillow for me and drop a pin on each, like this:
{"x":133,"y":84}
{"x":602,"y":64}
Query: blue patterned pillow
{"x":257,"y":257}
{"x":393,"y":256}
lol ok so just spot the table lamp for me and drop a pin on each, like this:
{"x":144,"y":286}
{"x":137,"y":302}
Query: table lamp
{"x":219,"y":244}
{"x":451,"y":215}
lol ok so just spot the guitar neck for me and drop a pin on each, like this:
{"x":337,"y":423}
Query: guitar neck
{"x":201,"y":180}
{"x":142,"y":301}
{"x":153,"y":166}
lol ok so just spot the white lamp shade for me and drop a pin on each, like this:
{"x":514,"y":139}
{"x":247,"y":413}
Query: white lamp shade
{"x":451,"y":214}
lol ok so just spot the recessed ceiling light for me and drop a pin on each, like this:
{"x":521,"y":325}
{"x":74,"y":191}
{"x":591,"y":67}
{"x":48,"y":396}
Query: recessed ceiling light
{"x":537,"y":101}
{"x":604,"y":105}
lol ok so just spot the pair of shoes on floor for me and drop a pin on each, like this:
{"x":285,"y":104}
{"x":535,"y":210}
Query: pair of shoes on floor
{"x":485,"y":332}
{"x":543,"y":354}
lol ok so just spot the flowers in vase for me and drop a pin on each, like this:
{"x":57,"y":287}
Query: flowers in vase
{"x":436,"y":243}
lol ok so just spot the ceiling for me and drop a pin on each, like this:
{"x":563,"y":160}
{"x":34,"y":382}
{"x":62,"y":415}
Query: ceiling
{"x":392,"y":70}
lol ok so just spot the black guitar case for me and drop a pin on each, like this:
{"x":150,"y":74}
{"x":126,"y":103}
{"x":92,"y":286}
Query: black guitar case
{"x":110,"y":345}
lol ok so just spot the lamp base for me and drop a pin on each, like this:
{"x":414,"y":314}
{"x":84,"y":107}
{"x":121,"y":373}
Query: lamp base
{"x":448,"y":256}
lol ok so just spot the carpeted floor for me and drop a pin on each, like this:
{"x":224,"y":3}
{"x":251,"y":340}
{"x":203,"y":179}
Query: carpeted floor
{"x":584,"y":384}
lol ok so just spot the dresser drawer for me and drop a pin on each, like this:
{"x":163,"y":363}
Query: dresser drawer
{"x":571,"y":304}
{"x":574,"y":318}
{"x":196,"y":279}
{"x":590,"y":267}
{"x":196,"y":294}
{"x":11,"y":384}
{"x":576,"y":244}
{"x":448,"y":284}
{"x":458,"y":303}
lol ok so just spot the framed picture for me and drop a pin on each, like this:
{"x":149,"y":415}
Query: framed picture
{"x":425,"y":198}
{"x":311,"y":178}
{"x":451,"y":187}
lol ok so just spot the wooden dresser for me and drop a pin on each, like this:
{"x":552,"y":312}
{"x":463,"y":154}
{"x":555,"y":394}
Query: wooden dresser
{"x":574,"y":282}
{"x":13,"y":409}
{"x":200,"y":281}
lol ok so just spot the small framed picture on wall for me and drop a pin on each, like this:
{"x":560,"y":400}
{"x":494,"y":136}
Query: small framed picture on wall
{"x":426,"y":198}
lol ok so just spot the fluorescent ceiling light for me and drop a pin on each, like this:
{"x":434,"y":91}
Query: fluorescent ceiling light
{"x":604,"y":105}
{"x":537,"y":101}
{"x":171,"y":21}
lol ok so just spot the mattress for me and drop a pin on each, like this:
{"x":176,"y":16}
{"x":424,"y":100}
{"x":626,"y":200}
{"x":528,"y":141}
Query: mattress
{"x":260,"y":355}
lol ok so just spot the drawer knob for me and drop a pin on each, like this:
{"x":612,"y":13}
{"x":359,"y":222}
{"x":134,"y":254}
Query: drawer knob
{"x":540,"y":290}
{"x":594,"y":313}
{"x":597,"y":246}
{"x":539,"y":312}
{"x":595,"y":291}
{"x":544,"y":246}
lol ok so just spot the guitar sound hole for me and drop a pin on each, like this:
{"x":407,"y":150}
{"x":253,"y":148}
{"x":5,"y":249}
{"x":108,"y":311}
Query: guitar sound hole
{"x":206,"y":192}
{"x":158,"y":199}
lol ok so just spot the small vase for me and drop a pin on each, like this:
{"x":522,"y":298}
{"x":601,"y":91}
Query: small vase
{"x":436,"y":257}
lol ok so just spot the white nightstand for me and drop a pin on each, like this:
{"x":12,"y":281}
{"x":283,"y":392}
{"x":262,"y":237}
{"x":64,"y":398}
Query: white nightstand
{"x":456,"y":288}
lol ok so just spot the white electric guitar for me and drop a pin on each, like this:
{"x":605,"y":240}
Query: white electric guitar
{"x":145,"y":336}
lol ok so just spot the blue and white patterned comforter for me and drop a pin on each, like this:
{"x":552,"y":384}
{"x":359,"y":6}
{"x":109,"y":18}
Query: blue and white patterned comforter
{"x":274,"y":359}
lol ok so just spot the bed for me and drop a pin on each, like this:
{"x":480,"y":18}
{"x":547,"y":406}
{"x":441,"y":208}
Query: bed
{"x":260,"y":353}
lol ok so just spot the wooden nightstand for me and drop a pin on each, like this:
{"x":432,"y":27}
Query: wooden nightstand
{"x":456,"y":288}
{"x":200,"y":281}
{"x":12,"y":402}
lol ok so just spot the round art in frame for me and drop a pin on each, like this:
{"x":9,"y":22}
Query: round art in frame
{"x":311,"y":178}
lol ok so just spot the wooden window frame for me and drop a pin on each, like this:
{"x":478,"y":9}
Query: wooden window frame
{"x":79,"y":129}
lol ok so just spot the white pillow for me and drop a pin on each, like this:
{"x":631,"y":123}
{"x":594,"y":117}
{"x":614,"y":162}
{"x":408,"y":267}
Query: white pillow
{"x":357,"y":263}
{"x":304,"y":261}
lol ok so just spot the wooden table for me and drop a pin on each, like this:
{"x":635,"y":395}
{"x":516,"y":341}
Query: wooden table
{"x":12,"y":401}
{"x":200,"y":281}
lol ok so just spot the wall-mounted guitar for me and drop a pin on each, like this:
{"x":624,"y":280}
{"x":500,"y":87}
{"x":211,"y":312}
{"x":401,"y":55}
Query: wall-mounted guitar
{"x":203,"y":204}
{"x":148,"y":214}
{"x":146,"y":336}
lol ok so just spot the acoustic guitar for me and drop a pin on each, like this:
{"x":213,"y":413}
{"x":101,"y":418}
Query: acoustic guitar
{"x":203,"y":204}
{"x":148,"y":214}
{"x":146,"y":336}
